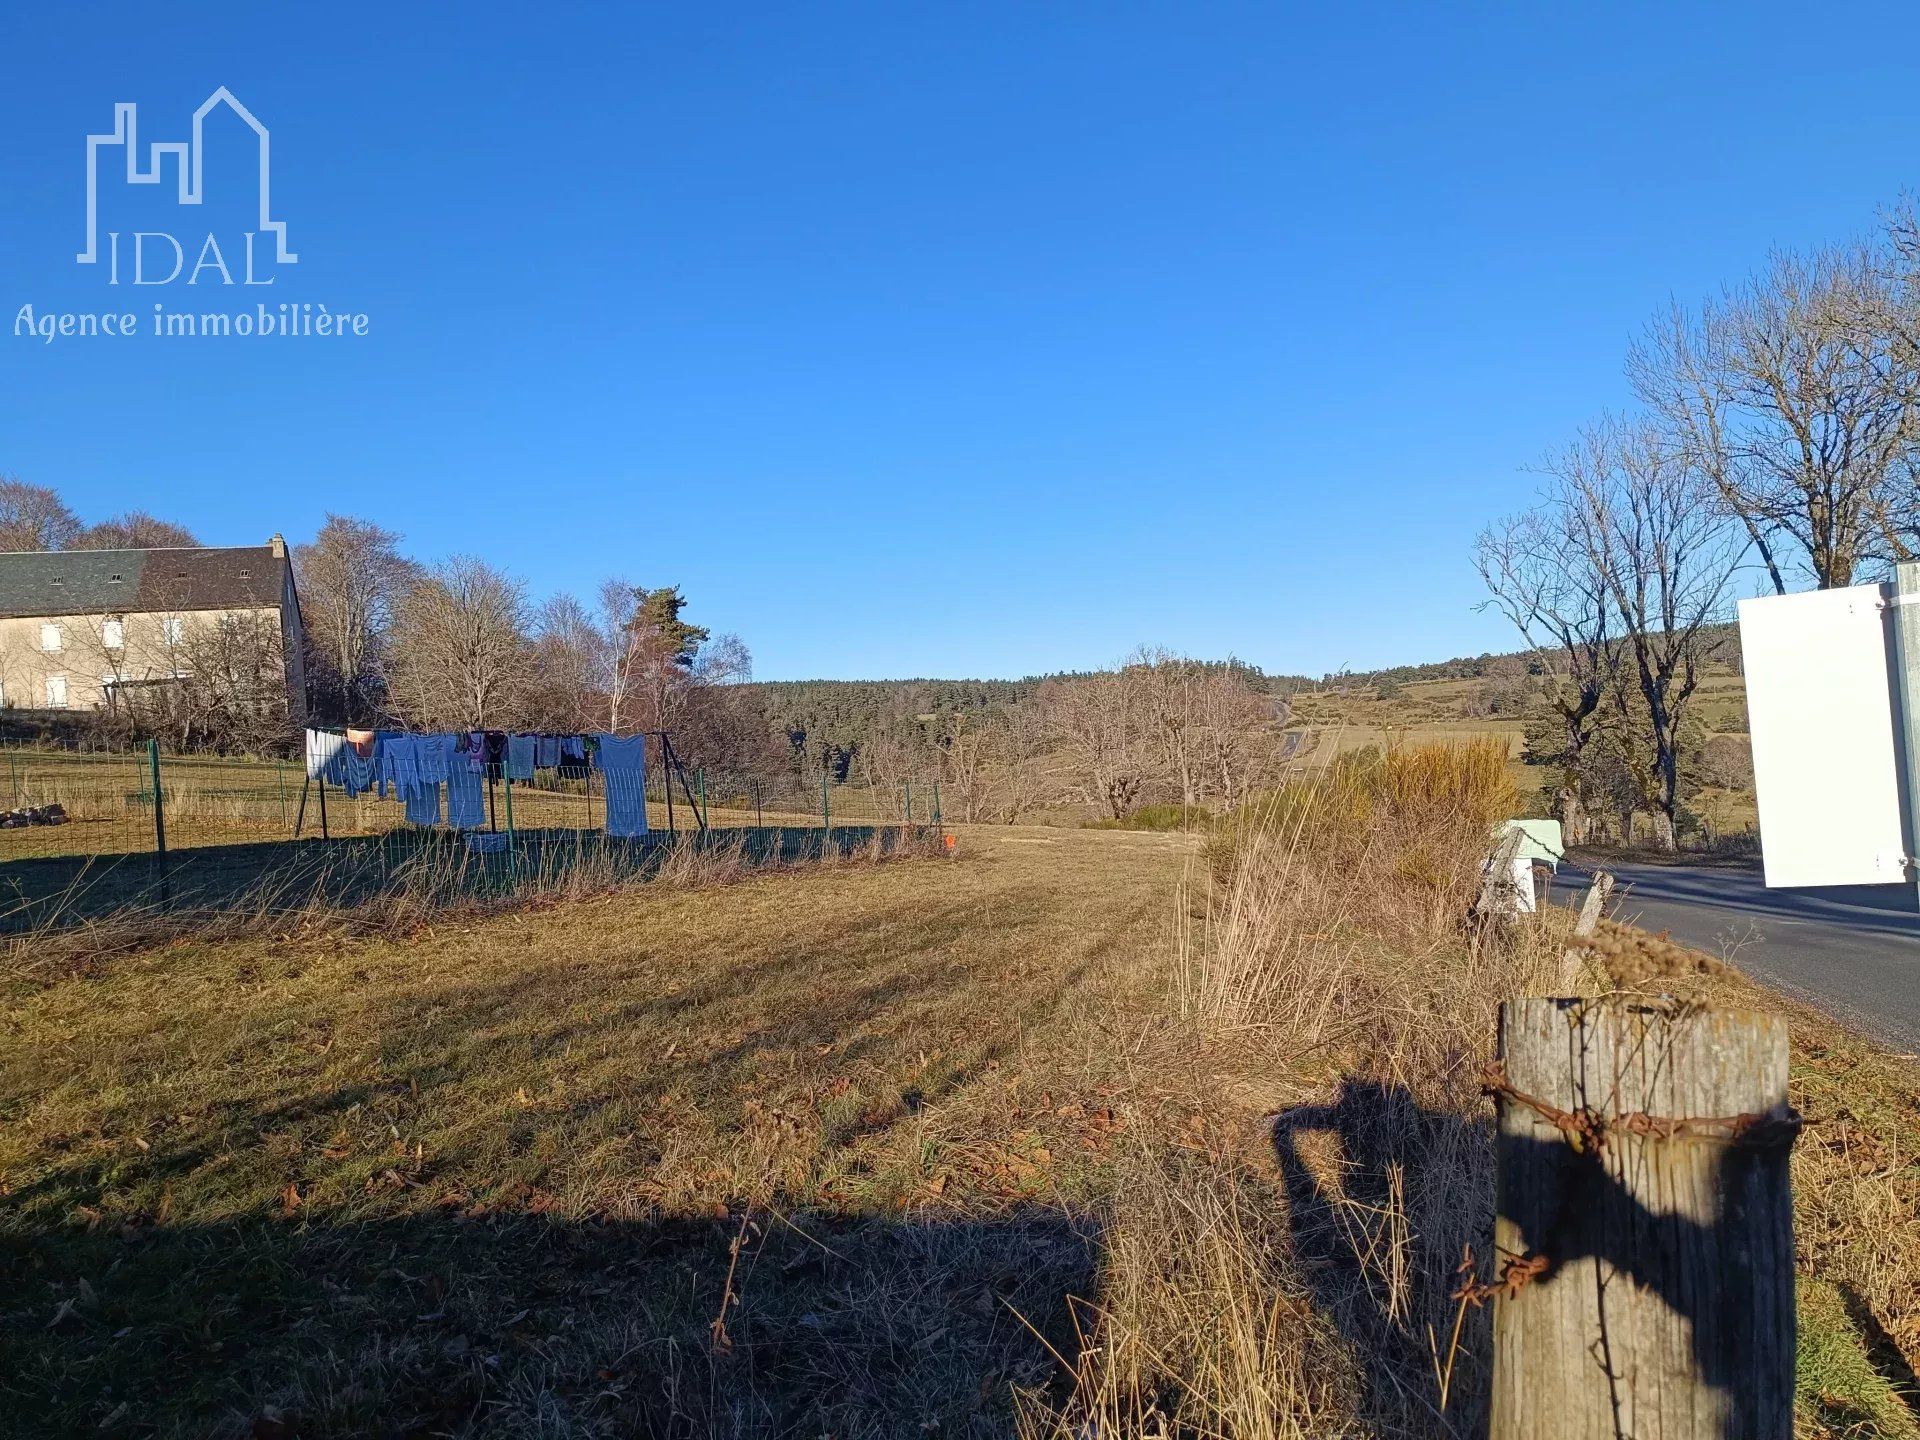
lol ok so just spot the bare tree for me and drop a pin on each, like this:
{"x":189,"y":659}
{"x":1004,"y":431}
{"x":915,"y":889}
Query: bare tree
{"x":234,"y":683}
{"x":631,"y":659}
{"x":1538,"y":567}
{"x":968,"y":756}
{"x":1240,"y":740}
{"x":351,"y":578}
{"x":1796,"y":396}
{"x":1664,"y":556}
{"x":566,"y":658}
{"x":1100,"y":738}
{"x":33,"y":517}
{"x":1167,"y":692}
{"x":135,"y":530}
{"x":1023,"y":781}
{"x":468,"y":657}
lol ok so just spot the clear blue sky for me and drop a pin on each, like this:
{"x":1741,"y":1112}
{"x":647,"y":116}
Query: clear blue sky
{"x":914,"y":339}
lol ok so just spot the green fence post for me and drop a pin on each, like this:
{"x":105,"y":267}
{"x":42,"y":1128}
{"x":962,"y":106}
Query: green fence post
{"x":936,"y":807}
{"x":909,"y":785}
{"x":826,"y":814}
{"x":13,"y":775}
{"x":759,"y":820}
{"x":512,"y":864}
{"x":700,"y":784}
{"x":160,"y":807}
{"x":280,"y":778}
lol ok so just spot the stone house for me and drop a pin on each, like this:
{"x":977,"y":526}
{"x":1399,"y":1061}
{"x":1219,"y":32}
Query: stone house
{"x":94,"y":629}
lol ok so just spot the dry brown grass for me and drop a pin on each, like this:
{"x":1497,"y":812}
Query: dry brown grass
{"x":1308,"y":1155}
{"x":485,"y":1175}
{"x":939,"y":1147}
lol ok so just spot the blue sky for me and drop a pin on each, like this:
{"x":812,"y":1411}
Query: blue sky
{"x":913,"y":339}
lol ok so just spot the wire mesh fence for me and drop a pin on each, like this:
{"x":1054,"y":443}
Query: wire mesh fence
{"x":66,"y":806}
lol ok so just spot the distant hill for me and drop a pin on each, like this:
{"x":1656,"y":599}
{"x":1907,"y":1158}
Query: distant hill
{"x":1723,"y":649}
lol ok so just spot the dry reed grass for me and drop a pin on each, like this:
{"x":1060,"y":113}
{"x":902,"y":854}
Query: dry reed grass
{"x":1309,"y":1157}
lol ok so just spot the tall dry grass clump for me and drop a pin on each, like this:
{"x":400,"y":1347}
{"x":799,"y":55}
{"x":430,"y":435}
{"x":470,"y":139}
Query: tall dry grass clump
{"x":1311,"y":1155}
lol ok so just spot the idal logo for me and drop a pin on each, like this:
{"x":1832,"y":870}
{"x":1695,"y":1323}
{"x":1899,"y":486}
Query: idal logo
{"x":160,"y":257}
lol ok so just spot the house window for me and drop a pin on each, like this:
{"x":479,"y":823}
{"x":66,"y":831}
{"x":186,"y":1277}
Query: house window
{"x":113,"y":634}
{"x":171,"y":629}
{"x":50,"y":637}
{"x":56,"y":692}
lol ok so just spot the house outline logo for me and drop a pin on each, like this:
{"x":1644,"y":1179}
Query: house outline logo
{"x":189,"y":165}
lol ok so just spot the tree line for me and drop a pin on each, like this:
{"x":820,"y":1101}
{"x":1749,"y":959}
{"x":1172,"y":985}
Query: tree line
{"x":34,"y":517}
{"x":1774,"y":443}
{"x":461,"y":645}
{"x":1160,"y":729}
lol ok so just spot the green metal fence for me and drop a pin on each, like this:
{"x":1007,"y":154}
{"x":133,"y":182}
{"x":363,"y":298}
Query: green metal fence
{"x":95,"y":803}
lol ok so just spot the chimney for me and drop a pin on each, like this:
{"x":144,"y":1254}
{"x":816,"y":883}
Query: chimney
{"x":278,"y":545}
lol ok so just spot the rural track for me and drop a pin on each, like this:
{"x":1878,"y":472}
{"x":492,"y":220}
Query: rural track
{"x":1852,"y":950}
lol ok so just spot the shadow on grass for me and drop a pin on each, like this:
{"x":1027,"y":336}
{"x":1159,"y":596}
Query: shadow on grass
{"x":522,"y":1324}
{"x":350,"y":870}
{"x":1413,"y":1185}
{"x":1383,"y":1286}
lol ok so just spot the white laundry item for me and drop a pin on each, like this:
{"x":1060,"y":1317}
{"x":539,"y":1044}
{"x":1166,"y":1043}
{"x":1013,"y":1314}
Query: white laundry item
{"x":324,"y":750}
{"x":623,"y":762}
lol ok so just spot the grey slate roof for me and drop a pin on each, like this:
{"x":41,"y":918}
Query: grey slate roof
{"x":116,"y":582}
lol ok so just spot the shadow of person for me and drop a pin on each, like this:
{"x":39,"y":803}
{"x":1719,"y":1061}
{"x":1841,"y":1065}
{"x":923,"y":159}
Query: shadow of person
{"x":1377,"y":1220}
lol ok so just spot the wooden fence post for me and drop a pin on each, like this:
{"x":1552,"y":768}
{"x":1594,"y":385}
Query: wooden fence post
{"x":1644,"y":1233}
{"x":1573,"y":963}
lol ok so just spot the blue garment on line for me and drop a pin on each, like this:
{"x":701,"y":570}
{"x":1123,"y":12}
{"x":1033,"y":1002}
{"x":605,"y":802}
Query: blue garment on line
{"x":520,"y":757}
{"x":466,"y":802}
{"x":423,"y":805}
{"x":623,"y":762}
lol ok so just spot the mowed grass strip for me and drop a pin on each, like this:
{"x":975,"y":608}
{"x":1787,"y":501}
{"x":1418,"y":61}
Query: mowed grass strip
{"x":494,"y":1175}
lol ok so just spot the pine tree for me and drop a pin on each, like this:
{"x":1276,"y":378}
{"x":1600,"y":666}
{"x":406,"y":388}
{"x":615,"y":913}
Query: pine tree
{"x":658,"y":612}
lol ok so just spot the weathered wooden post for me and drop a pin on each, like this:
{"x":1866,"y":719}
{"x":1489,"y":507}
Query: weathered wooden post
{"x":1643,"y":1278}
{"x":1573,"y":962}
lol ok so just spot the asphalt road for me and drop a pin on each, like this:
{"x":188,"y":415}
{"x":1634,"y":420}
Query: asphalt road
{"x":1852,"y":950}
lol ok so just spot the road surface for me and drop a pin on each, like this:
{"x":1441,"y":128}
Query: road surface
{"x":1852,"y":950}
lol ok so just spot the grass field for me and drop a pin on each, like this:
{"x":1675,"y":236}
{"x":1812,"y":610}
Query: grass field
{"x":500,"y":1165}
{"x":854,"y":1149}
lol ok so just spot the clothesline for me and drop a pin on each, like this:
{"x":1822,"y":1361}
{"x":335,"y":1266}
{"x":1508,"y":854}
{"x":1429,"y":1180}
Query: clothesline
{"x":415,"y":767}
